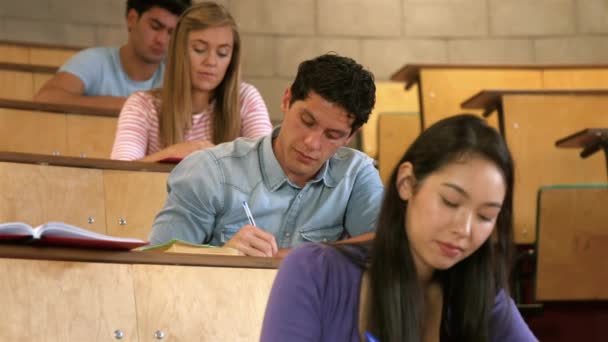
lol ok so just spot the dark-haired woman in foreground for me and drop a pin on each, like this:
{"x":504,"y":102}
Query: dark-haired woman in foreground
{"x":437,"y":269}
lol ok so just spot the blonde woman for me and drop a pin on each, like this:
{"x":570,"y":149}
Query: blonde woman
{"x":202,"y":101}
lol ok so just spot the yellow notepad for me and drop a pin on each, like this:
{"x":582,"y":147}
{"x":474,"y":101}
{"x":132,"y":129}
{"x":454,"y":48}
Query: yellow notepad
{"x":180,"y":246}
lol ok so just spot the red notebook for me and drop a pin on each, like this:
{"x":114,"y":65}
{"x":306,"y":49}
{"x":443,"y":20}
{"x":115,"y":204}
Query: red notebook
{"x":63,"y":234}
{"x":171,"y":160}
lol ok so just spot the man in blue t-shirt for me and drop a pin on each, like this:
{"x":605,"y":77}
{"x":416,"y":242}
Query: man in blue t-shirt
{"x":105,"y":76}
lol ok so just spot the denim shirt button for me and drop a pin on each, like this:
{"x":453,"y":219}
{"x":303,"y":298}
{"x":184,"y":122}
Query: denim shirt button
{"x":324,"y":239}
{"x":288,"y":234}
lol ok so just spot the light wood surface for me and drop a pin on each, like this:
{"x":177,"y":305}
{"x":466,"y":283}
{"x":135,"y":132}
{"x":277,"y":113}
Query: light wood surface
{"x":35,"y":54}
{"x":66,"y":301}
{"x":50,"y":56}
{"x":397,"y":132}
{"x":56,"y":133}
{"x":443,"y":90}
{"x":136,"y":198}
{"x":532,"y":125}
{"x":32,"y":132}
{"x":90,"y":136}
{"x":36,"y":194}
{"x":391,"y":97}
{"x":87,"y":295}
{"x":208,"y":303}
{"x":575,"y":78}
{"x":18,"y":85}
{"x":572,"y":244}
{"x":13,"y":54}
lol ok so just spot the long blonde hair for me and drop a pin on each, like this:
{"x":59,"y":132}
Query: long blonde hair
{"x":176,"y":93}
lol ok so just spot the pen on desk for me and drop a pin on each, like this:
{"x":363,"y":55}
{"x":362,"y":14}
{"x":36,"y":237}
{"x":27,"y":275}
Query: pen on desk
{"x":248,"y":213}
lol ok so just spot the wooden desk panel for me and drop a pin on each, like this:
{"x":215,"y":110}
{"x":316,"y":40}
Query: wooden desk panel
{"x":391,"y":97}
{"x":132,"y":201}
{"x":50,"y":56}
{"x":205,"y":303}
{"x":397,"y":132}
{"x":36,"y":194}
{"x":443,"y":90}
{"x":85,"y":295}
{"x":17,"y":85}
{"x":13,"y":54}
{"x":90,"y":136}
{"x":532,"y":125}
{"x":66,"y":301}
{"x":575,"y":79}
{"x":572,"y":243}
{"x":32,"y":132}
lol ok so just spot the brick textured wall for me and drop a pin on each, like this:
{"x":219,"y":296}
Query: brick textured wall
{"x":381,"y":34}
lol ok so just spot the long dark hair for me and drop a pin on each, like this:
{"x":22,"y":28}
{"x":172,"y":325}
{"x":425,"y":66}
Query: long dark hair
{"x":396,"y":299}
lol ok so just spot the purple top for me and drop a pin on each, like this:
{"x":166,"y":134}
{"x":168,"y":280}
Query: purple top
{"x":315,"y":297}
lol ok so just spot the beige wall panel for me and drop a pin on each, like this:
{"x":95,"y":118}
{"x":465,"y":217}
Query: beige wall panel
{"x":532,"y":125}
{"x":573,"y":244}
{"x":49,"y":56}
{"x":443,"y":90}
{"x":397,"y":132}
{"x":90,"y":136}
{"x":135,"y":197}
{"x":32,"y":132}
{"x":66,"y":301}
{"x":208,"y":303}
{"x":390,"y":97}
{"x":575,"y":79}
{"x":13,"y":54}
{"x":16,"y":85}
{"x":36,"y":194}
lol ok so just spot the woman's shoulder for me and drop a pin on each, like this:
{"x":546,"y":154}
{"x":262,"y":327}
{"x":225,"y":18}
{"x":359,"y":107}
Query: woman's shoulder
{"x":315,"y":256}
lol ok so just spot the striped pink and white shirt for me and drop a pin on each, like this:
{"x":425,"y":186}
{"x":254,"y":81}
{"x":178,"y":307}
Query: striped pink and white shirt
{"x":137,"y":134}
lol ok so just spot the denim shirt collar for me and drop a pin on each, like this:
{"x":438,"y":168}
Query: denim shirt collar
{"x":274,"y":176}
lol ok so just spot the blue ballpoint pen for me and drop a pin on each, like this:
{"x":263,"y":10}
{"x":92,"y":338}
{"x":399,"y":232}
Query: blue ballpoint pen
{"x":248,"y":213}
{"x":370,"y":337}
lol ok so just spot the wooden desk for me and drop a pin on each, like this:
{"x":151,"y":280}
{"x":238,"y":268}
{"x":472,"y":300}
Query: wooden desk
{"x":572,"y":244}
{"x":531,"y":121}
{"x":22,"y":81}
{"x":111,"y":197}
{"x":590,"y":140}
{"x":45,"y":128}
{"x":54,"y":294}
{"x":443,"y":87}
{"x":36,"y":53}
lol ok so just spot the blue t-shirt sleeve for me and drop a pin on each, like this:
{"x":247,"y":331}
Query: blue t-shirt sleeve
{"x":87,"y":66}
{"x":294,"y":309}
{"x":506,"y":323}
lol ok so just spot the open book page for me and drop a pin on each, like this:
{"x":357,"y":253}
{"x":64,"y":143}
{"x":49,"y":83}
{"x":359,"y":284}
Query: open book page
{"x":61,"y":229}
{"x":59,"y":233}
{"x":180,"y":246}
{"x":15,"y":230}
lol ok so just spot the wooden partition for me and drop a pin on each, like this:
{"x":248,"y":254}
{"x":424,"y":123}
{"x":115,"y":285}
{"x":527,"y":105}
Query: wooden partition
{"x":391,"y":97}
{"x":33,"y":127}
{"x":572,"y":245}
{"x":22,"y":81}
{"x":396,"y":133}
{"x":532,"y":121}
{"x":55,"y":294}
{"x":110,"y":197}
{"x":35,"y":53}
{"x":443,"y":87}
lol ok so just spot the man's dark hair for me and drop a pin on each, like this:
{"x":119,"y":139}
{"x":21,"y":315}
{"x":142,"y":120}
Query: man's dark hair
{"x":339,"y":80}
{"x":176,"y":7}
